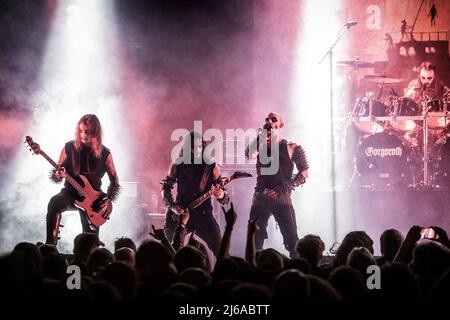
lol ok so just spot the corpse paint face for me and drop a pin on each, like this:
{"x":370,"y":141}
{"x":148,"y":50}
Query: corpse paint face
{"x":426,"y":77}
{"x":275,"y":121}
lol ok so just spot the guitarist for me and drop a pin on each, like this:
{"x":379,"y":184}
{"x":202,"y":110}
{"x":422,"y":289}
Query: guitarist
{"x":194,"y":173}
{"x":85,"y":155}
{"x":273,"y":191}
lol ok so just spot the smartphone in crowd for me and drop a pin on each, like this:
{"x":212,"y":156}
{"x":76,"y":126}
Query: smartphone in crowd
{"x":428,"y":233}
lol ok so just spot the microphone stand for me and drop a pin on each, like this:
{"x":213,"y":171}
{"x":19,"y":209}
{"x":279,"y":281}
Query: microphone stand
{"x":329,"y":53}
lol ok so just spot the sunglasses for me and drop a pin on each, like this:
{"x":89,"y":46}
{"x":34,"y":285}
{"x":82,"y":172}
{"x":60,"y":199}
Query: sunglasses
{"x":273,"y":119}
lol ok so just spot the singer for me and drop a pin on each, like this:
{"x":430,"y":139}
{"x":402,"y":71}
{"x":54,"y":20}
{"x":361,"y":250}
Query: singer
{"x":272,"y":194}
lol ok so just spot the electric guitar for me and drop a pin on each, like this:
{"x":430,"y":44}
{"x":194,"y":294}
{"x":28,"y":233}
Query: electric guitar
{"x":205,"y":196}
{"x":92,"y":198}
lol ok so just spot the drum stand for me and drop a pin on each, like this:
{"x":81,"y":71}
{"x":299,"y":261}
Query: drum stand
{"x":425,"y":142}
{"x":348,"y":123}
{"x":426,"y":158}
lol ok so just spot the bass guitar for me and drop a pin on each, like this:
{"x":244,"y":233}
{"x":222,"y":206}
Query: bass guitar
{"x":91,"y":198}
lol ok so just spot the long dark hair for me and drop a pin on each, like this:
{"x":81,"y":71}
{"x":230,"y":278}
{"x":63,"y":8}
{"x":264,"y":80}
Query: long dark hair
{"x":93,"y":122}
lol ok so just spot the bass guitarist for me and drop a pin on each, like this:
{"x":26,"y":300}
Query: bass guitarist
{"x":87,"y":156}
{"x":275,"y":160}
{"x":194,"y":173}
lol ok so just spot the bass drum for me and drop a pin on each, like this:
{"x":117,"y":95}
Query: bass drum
{"x":382,"y":160}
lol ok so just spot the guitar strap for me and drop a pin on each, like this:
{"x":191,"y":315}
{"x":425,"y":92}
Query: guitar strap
{"x":205,"y":177}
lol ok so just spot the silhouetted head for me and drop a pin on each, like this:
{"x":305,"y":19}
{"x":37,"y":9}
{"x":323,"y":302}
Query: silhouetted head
{"x":124,"y":242}
{"x":352,"y":240}
{"x":349,"y":282}
{"x":31,"y":251}
{"x":360,"y":259}
{"x":126,"y":255}
{"x":189,"y":257}
{"x":84,"y":245}
{"x":311,"y":248}
{"x":291,"y":284}
{"x":390,"y":242}
{"x":270,"y":260}
{"x":196,"y":277}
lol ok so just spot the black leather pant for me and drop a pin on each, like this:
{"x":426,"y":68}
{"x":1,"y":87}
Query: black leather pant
{"x":63,"y":201}
{"x":285,"y":217}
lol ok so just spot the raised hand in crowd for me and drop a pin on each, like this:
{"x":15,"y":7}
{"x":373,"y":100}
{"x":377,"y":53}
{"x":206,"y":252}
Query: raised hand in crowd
{"x":404,"y":254}
{"x":250,"y":248}
{"x":230,"y":216}
{"x":193,"y":241}
{"x":442,"y":236}
{"x":160,"y":235}
{"x":180,"y":231}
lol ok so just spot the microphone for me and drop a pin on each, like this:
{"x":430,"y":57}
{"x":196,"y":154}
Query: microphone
{"x":350,"y":23}
{"x":267,"y":126}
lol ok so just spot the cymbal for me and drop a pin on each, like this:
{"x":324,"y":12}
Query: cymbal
{"x":357,"y":63}
{"x":384,"y":80}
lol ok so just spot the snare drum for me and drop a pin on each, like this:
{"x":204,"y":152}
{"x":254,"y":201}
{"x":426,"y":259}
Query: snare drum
{"x":405,"y":107}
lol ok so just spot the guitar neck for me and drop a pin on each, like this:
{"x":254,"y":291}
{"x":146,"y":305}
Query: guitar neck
{"x":68,"y":178}
{"x":200,"y":200}
{"x":205,"y":196}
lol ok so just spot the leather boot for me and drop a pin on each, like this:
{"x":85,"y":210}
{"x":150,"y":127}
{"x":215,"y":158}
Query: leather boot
{"x":53,"y":221}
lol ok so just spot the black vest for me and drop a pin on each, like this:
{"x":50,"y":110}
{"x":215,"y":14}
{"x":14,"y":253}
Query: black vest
{"x":85,"y":163}
{"x":188,"y":178}
{"x":284,"y":173}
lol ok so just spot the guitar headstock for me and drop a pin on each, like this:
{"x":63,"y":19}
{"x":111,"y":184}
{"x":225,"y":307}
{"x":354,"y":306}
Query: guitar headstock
{"x":240,"y":174}
{"x":35,"y":148}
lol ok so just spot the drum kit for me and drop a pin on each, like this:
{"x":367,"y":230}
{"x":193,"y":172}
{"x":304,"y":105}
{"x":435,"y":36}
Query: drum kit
{"x":401,"y":142}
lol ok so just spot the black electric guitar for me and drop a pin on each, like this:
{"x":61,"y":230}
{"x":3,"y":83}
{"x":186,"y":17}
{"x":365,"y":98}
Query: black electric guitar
{"x":205,"y":196}
{"x":91,"y":197}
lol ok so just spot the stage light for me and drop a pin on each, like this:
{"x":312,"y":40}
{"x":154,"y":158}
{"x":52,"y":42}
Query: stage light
{"x":310,"y":113}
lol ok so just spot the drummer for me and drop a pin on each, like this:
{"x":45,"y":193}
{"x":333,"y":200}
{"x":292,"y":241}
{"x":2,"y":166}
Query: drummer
{"x":427,"y":85}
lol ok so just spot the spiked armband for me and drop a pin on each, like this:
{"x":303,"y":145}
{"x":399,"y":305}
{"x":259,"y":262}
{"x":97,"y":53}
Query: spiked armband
{"x":53,"y":178}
